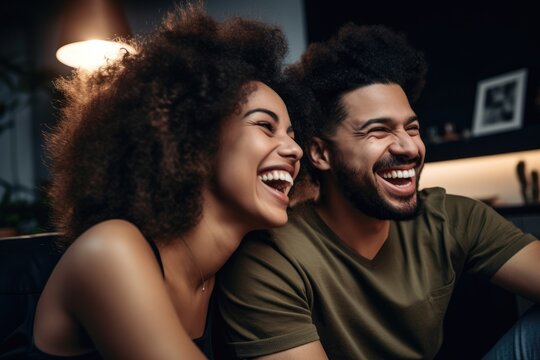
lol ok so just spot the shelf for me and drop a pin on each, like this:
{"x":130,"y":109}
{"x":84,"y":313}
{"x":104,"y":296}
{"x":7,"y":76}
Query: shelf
{"x":529,"y":209}
{"x":507,"y":142}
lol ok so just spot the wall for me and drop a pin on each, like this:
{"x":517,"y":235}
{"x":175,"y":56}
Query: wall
{"x":288,"y":14}
{"x":487,"y":177}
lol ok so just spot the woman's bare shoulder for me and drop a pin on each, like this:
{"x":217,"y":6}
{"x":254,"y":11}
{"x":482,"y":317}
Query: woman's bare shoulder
{"x":109,"y":241}
{"x":104,"y":271}
{"x":107,"y":254}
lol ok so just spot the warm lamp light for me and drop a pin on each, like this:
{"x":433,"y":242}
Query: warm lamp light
{"x":89,"y":27}
{"x":91,"y":54}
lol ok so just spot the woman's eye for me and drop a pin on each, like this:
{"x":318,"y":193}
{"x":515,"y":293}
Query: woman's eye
{"x":266,"y":125}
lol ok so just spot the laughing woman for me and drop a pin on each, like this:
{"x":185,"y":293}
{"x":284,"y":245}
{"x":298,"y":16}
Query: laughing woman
{"x":160,"y":164}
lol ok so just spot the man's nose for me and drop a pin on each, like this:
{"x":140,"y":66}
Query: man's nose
{"x":404,"y":145}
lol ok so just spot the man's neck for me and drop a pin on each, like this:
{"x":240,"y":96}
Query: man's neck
{"x":362,"y":233}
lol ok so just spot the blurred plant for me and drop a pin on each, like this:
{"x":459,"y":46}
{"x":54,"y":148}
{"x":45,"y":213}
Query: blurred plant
{"x":23,"y":215}
{"x":10,"y":90}
{"x":21,"y":208}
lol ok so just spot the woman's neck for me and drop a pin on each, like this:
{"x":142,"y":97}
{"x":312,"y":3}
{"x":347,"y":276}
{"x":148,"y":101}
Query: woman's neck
{"x":199,"y":253}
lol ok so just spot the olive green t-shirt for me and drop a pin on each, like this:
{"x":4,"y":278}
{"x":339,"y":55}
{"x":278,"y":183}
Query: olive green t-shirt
{"x":301,"y":283}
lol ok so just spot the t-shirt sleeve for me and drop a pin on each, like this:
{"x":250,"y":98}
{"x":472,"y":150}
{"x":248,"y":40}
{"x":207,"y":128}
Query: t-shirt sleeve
{"x":489,"y":239}
{"x":263,"y":300}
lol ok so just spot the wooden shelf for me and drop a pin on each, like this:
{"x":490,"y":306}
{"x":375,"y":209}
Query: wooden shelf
{"x":507,"y":142}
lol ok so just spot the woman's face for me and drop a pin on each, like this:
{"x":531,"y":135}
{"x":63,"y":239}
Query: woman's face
{"x":257,"y":162}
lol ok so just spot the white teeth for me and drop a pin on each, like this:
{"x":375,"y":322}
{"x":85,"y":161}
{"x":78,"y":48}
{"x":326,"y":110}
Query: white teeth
{"x":399,"y":174}
{"x":277,"y":175}
{"x":289,"y":179}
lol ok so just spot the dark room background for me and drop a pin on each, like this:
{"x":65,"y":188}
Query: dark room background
{"x":463,"y":43}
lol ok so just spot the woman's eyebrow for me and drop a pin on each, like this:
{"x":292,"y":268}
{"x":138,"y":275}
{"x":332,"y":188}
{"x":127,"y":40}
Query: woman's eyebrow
{"x":272,"y":114}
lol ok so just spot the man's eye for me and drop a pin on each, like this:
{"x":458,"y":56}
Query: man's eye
{"x":413,"y":129}
{"x":378,"y":129}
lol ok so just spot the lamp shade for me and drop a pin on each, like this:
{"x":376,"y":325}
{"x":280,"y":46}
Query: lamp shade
{"x":88,"y":30}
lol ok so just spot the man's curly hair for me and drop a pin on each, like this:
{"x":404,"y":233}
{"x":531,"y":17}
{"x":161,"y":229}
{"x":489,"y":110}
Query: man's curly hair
{"x":357,"y":56}
{"x":136,"y":140}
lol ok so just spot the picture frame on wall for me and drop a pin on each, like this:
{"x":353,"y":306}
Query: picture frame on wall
{"x":500,"y":103}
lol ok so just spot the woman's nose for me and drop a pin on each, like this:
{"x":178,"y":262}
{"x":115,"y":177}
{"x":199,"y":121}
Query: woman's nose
{"x":290,"y":149}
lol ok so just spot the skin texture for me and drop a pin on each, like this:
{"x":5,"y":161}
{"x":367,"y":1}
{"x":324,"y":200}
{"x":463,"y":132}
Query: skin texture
{"x":108,"y":291}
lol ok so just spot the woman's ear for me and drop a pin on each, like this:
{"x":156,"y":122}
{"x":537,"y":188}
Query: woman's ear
{"x":319,"y":154}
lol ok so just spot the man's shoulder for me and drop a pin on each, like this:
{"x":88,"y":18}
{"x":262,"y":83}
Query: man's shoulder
{"x":293,"y":237}
{"x":301,"y":217}
{"x":460,"y":214}
{"x":436,"y":199}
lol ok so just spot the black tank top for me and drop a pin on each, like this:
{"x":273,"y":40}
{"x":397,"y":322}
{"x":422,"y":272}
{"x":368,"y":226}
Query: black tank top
{"x":24,"y":333}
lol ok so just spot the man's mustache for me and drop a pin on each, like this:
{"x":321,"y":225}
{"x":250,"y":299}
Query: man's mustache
{"x":395,"y":161}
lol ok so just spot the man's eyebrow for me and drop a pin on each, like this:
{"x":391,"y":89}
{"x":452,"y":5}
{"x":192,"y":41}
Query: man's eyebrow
{"x":266,"y":111}
{"x":385,"y":121}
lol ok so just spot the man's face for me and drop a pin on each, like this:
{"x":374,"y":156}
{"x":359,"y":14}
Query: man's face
{"x":376,"y":152}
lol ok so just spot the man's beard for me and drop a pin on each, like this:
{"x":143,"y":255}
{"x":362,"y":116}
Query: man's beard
{"x":366,"y":196}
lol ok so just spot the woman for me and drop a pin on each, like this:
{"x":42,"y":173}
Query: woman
{"x":160,"y":164}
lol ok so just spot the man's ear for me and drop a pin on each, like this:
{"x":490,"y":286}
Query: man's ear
{"x":319,"y":154}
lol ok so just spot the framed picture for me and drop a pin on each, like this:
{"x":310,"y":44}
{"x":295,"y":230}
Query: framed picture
{"x":499,"y":103}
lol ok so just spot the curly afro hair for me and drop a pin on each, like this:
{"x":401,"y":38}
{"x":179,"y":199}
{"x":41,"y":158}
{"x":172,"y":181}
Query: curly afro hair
{"x":357,"y":56}
{"x":136,"y":140}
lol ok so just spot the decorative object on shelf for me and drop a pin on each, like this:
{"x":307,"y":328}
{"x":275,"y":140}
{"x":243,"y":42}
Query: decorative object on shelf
{"x":450,"y":132}
{"x":500,"y":103}
{"x":531,"y":195}
{"x":522,"y":178}
{"x":433,"y":136}
{"x":535,"y":192}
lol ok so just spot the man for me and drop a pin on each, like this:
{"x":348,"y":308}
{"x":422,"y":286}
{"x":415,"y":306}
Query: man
{"x":366,"y":270}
